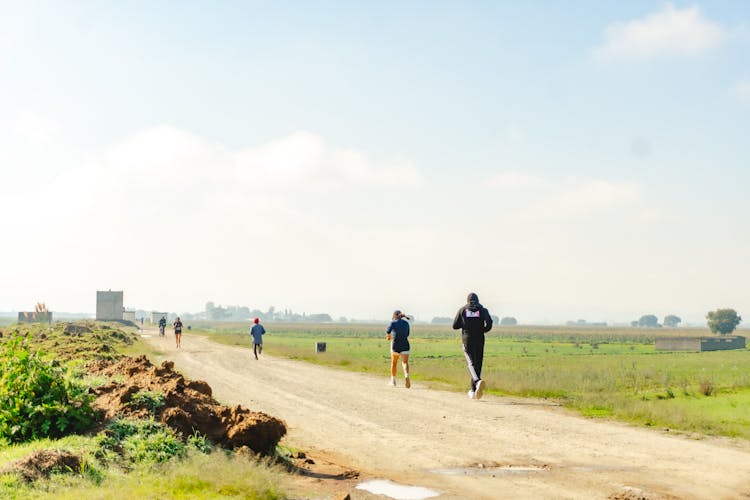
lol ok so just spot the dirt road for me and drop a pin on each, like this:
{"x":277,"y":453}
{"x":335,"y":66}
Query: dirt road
{"x":493,"y":448}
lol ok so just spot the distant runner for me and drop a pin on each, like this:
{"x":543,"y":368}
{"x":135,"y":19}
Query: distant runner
{"x":398,"y":334}
{"x":177,"y":331}
{"x":162,"y":325}
{"x":257,"y":331}
{"x":474,"y":320}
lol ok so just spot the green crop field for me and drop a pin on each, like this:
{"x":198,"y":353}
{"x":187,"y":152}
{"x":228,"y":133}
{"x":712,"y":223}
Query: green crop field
{"x":606,"y":372}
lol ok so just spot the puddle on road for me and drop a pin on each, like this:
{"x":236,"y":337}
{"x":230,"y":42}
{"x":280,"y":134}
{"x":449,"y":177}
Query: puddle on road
{"x":397,"y":491}
{"x":507,"y":470}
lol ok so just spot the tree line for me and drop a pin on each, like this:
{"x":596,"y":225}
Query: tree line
{"x":720,"y":321}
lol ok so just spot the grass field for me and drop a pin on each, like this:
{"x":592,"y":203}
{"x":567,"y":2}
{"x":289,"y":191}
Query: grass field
{"x":608,"y":372}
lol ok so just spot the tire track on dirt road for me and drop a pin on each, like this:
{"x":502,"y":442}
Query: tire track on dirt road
{"x":406,"y":435}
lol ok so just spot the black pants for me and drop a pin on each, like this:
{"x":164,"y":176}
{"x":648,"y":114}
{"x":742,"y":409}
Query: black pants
{"x":474,"y":353}
{"x":257,"y":349}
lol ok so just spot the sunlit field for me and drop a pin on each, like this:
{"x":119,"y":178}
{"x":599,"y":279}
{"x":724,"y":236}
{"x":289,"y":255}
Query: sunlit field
{"x":599,"y":372}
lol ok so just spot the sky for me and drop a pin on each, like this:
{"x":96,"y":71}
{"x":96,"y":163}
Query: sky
{"x":563,"y":160}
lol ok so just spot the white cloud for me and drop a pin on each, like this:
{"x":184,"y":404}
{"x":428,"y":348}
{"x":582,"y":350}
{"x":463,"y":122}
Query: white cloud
{"x":261,"y":225}
{"x":593,"y":195}
{"x":671,"y":31}
{"x":301,"y":160}
{"x":30,"y":127}
{"x":174,"y":220}
{"x":551,"y":198}
{"x":510,"y":181}
{"x":33,"y":148}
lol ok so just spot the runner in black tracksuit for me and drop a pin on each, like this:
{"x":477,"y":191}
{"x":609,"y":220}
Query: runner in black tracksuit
{"x":474,"y":321}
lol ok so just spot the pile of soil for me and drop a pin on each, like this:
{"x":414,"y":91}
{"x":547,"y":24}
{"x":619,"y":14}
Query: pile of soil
{"x":188,"y":407}
{"x":42,"y":463}
{"x":80,"y":340}
{"x":75,"y":329}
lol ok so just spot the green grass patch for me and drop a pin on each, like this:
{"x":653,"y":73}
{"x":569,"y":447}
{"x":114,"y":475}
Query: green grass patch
{"x":198,"y":475}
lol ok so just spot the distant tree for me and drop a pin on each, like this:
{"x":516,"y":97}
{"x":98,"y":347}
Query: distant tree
{"x":648,"y":321}
{"x":495,"y":319}
{"x":320,"y":318}
{"x":672,"y":321}
{"x":217,"y":313}
{"x":634,"y":323}
{"x":508,"y":321}
{"x":723,"y":321}
{"x":441,"y":320}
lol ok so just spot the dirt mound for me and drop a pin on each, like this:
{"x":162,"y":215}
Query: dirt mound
{"x":42,"y":463}
{"x":188,"y":405}
{"x":75,"y":329}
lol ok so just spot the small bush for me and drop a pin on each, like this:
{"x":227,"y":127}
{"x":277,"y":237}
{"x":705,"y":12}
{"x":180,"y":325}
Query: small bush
{"x":153,"y":401}
{"x":706,"y":387}
{"x":140,"y":441}
{"x":36,"y":400}
{"x":155,"y":447}
{"x":200,"y":443}
{"x":669,"y":394}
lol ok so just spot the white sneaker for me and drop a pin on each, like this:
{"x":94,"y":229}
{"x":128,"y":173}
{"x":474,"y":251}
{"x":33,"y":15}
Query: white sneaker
{"x":407,"y":382}
{"x":471,"y":395}
{"x":392,"y":383}
{"x":480,"y":389}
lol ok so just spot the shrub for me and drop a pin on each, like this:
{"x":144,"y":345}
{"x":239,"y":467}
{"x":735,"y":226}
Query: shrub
{"x":140,"y":441}
{"x":36,"y":401}
{"x":200,"y":443}
{"x":707,"y":387}
{"x":154,"y":447}
{"x":153,"y":401}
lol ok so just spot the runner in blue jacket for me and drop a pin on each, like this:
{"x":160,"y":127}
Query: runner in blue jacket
{"x":257,"y":331}
{"x":398,"y":334}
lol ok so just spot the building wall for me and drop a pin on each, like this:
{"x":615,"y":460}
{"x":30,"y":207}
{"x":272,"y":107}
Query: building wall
{"x":678,"y":344}
{"x":722,"y":343}
{"x":156,"y":316}
{"x":698,"y":344}
{"x":109,"y":306}
{"x":35,"y":317}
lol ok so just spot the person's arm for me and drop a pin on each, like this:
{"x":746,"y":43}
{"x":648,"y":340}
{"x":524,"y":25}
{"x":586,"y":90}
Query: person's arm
{"x":458,"y":322}
{"x":487,"y":321}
